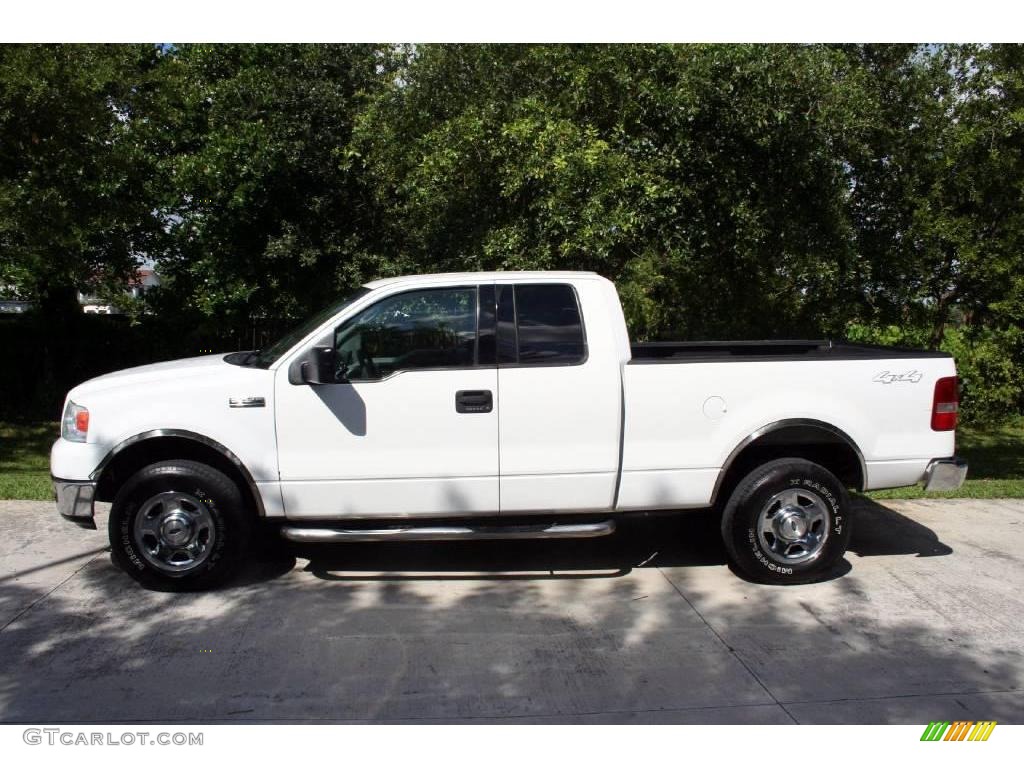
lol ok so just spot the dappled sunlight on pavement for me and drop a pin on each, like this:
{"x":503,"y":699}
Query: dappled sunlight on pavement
{"x":648,"y":625}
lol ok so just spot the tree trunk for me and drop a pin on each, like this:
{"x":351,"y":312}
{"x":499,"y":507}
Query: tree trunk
{"x":941,"y":320}
{"x":58,"y":322}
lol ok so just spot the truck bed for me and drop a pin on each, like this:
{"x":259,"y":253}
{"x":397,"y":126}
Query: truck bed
{"x":751,"y":351}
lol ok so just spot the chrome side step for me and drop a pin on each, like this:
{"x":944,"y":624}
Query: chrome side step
{"x":449,"y":532}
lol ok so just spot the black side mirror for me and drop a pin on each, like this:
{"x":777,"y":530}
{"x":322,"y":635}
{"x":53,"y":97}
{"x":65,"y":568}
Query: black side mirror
{"x":318,"y":366}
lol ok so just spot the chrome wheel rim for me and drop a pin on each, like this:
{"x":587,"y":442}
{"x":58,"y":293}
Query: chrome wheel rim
{"x":174,"y":532}
{"x":793,"y":526}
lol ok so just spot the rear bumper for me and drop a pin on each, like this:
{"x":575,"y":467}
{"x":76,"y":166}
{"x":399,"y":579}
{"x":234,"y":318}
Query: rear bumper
{"x":75,"y":501}
{"x":945,"y":474}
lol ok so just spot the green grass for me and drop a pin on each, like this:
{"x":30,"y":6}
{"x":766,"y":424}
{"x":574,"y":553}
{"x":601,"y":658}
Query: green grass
{"x":25,"y":460}
{"x":995,"y":456}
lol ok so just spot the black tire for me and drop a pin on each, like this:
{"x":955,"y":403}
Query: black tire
{"x":759,"y":501}
{"x":227,"y":525}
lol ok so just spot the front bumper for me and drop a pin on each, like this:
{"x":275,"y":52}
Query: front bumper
{"x":945,"y":474}
{"x":75,"y":501}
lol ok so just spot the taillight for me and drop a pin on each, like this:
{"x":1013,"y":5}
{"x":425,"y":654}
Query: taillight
{"x":945,"y":404}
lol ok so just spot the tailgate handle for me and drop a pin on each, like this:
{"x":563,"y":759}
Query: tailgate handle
{"x":473,"y":401}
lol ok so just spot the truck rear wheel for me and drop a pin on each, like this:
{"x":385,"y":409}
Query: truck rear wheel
{"x":787,"y":522}
{"x":179,"y":525}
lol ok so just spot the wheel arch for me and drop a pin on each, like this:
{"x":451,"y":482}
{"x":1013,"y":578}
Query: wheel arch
{"x":810,"y":439}
{"x":145,"y":448}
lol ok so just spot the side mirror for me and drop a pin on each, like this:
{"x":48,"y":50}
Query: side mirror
{"x":317,"y":366}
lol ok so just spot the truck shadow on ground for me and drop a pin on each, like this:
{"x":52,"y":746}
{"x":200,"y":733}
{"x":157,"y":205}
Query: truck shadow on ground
{"x":655,"y":540}
{"x":396,"y":633}
{"x":878,"y":530}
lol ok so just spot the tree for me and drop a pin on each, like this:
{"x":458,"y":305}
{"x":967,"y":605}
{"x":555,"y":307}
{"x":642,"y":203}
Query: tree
{"x":268,"y":218}
{"x":708,"y":180}
{"x":729,"y":190}
{"x":939,"y":184}
{"x":78,"y":190}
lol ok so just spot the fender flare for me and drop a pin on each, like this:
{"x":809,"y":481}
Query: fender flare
{"x":784,"y":424}
{"x":195,"y":437}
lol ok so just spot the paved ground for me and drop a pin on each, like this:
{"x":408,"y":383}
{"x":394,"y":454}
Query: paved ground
{"x":923,"y":622}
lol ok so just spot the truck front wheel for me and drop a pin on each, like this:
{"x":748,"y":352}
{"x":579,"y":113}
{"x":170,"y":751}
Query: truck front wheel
{"x":179,"y":525}
{"x":787,"y":522}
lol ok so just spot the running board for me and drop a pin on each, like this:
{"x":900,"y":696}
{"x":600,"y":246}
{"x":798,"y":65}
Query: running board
{"x":449,"y":533}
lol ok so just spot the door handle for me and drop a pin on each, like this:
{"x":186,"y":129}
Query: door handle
{"x":474,"y":401}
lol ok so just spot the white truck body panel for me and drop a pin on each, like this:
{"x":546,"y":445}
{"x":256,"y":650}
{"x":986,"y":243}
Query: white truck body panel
{"x":394,"y":447}
{"x":609,"y":433}
{"x":674,"y":445}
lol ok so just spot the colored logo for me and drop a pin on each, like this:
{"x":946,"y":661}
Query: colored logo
{"x":960,"y":730}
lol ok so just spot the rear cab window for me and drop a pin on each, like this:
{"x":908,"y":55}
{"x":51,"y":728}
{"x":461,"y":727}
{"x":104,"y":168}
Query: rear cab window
{"x":539,"y":324}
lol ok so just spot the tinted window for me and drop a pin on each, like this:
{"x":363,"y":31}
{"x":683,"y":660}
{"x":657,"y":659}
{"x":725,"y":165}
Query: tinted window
{"x":486,"y":352}
{"x":421,"y":329}
{"x":506,"y":324}
{"x":548,"y":324}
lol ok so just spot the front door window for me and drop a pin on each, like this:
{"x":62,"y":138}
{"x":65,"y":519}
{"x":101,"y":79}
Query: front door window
{"x":434,"y":328}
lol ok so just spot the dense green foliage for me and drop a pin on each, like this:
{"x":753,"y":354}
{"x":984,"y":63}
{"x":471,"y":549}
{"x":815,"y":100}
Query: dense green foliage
{"x":729,"y":190}
{"x":78,"y":182}
{"x":268,"y":220}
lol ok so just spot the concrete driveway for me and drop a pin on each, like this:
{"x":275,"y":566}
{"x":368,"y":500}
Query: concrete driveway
{"x":923,"y":622}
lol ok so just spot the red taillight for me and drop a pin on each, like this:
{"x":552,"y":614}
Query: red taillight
{"x":82,"y":421}
{"x":945,"y":404}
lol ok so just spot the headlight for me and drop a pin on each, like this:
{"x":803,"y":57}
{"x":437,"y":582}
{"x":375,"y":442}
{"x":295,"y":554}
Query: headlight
{"x":75,"y":424}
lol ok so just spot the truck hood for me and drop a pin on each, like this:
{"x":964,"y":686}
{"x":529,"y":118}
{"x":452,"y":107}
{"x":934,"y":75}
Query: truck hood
{"x":192,"y":395}
{"x":185,"y":368}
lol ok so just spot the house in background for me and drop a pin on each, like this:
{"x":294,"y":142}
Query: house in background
{"x":145,"y":279}
{"x":14,"y":307}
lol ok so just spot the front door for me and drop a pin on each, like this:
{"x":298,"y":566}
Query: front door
{"x":414,"y":429}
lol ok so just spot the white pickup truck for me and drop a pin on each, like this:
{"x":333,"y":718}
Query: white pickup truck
{"x":497,"y":405}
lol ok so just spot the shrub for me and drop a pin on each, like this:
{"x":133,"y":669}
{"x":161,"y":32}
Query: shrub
{"x":989,"y":362}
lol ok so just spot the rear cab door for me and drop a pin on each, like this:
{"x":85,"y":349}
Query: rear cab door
{"x":559,"y":386}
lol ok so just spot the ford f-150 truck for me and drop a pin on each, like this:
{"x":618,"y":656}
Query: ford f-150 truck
{"x":497,"y":405}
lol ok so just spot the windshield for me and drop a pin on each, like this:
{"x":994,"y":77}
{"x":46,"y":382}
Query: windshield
{"x":264,"y":358}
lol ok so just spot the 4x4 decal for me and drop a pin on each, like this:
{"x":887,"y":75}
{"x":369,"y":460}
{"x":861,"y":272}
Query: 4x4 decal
{"x":885,"y":377}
